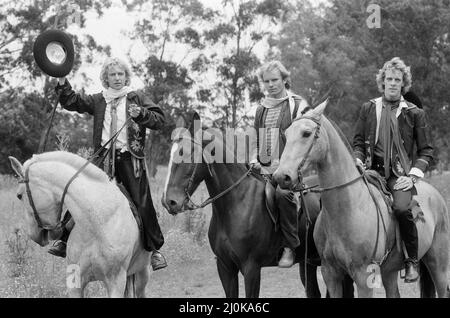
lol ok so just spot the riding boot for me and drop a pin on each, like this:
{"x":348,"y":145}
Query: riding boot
{"x":59,"y":246}
{"x":288,"y":210}
{"x":409,"y":235}
{"x":287,"y":259}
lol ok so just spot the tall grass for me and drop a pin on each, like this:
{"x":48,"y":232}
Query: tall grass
{"x":27,"y":270}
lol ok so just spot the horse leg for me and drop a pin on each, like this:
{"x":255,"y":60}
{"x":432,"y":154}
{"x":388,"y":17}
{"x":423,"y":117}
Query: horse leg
{"x":390,"y":283}
{"x":427,"y":289}
{"x":141,"y":282}
{"x":333,"y":280}
{"x":436,"y":260}
{"x":310,"y":282}
{"x":252,"y":280}
{"x":130,"y":291}
{"x":228,"y":274}
{"x":364,"y":290}
{"x":116,"y":285}
{"x":347,"y":286}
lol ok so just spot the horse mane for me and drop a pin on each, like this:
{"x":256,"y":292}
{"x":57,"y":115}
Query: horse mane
{"x":226,"y":149}
{"x":341,"y":135}
{"x":71,"y":159}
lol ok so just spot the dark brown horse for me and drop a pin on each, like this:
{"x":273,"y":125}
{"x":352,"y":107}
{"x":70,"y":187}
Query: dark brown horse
{"x":241,"y":233}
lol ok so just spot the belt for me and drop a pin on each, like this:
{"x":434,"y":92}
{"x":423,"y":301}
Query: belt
{"x":122,"y":155}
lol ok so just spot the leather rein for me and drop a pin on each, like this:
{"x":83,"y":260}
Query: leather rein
{"x":216,"y":197}
{"x":63,"y":222}
{"x":300,"y":187}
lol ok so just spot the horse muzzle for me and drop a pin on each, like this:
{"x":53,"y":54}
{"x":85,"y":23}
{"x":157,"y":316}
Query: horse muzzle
{"x":284,"y":180}
{"x":174,"y":206}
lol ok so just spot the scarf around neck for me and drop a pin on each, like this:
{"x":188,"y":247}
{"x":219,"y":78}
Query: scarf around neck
{"x":270,"y":102}
{"x":110,"y":94}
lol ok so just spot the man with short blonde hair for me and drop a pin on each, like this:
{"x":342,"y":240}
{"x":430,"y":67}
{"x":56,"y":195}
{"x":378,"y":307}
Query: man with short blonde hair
{"x":274,"y":116}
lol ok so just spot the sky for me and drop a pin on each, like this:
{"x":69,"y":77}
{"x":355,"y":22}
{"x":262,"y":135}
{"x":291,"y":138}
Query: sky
{"x":113,"y":29}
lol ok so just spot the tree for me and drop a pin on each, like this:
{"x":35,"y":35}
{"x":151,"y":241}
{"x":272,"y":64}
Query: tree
{"x":332,"y":52}
{"x":26,"y":94}
{"x":237,"y":36}
{"x":167,"y":27}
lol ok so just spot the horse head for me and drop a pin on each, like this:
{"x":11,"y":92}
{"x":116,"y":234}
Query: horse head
{"x":306,"y":143}
{"x":187,"y":167}
{"x":37,"y":198}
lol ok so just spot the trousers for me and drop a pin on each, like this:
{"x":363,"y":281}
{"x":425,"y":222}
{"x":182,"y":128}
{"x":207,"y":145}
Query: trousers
{"x":139,"y":191}
{"x":288,"y":209}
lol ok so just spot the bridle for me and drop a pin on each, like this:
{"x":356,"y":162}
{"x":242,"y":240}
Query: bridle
{"x":61,"y":223}
{"x":299,"y":186}
{"x":188,"y":188}
{"x":26,"y":180}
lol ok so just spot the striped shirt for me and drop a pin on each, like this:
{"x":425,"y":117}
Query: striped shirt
{"x":271,"y":122}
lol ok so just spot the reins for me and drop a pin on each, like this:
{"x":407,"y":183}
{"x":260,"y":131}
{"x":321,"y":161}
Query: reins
{"x":216,"y":197}
{"x":64,"y":221}
{"x":300,"y":187}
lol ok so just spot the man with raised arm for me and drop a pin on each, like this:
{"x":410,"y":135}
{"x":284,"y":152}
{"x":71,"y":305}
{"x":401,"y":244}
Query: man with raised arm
{"x":125,"y":156}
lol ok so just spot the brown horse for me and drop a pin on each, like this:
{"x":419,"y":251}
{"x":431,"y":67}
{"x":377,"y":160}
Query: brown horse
{"x":349,"y":234}
{"x":241,"y":233}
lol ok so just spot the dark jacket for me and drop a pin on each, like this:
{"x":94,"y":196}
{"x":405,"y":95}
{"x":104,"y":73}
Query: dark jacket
{"x":283,"y":123}
{"x":413,"y":127}
{"x":151,"y":115}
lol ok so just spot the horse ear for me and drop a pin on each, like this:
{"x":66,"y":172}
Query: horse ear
{"x":181,"y":122}
{"x":16,"y":166}
{"x":318,"y":110}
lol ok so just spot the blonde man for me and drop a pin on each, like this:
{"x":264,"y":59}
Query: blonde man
{"x":274,"y":116}
{"x":125,"y":160}
{"x":387,"y":132}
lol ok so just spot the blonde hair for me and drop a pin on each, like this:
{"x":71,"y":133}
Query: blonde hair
{"x":395,"y":64}
{"x":114,"y":61}
{"x":275,"y":65}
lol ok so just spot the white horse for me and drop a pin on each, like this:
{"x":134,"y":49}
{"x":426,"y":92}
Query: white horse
{"x":104,"y":244}
{"x":346,"y":233}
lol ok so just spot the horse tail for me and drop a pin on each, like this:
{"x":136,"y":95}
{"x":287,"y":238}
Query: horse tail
{"x":427,"y":288}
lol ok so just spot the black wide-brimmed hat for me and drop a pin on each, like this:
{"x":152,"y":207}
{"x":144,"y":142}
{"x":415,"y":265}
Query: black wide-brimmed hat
{"x":53,"y":52}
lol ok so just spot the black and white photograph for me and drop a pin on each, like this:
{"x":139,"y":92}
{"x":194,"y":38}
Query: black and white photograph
{"x":205,"y":150}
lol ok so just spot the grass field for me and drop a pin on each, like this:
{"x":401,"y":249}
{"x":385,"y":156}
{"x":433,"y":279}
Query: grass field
{"x":27,"y":270}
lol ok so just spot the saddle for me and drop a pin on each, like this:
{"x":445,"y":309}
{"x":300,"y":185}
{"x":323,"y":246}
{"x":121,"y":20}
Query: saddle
{"x":374,"y":178}
{"x":271,"y":204}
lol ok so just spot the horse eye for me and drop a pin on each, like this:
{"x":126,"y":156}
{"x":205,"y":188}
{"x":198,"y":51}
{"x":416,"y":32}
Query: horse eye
{"x":19,"y":196}
{"x":306,"y":134}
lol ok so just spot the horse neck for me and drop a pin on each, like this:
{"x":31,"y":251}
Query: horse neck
{"x":83,"y":205}
{"x":336,"y":169}
{"x":224,"y":175}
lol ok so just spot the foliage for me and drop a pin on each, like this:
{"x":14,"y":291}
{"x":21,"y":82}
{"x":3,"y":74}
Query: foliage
{"x":331,"y":52}
{"x":26,"y":94}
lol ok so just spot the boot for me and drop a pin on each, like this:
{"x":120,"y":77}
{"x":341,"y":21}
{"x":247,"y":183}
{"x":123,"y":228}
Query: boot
{"x":411,"y":270}
{"x":59,"y":247}
{"x":157,"y":260}
{"x":287,"y":259}
{"x":409,"y":235}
